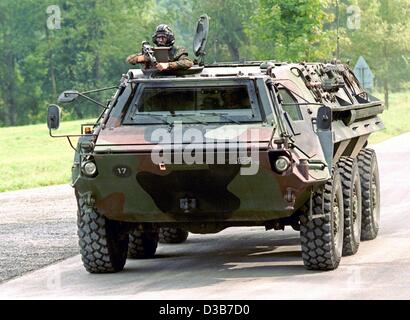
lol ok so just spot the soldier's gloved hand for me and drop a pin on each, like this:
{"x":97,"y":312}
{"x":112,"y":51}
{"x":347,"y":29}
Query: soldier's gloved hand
{"x":161,"y":66}
{"x":136,"y":58}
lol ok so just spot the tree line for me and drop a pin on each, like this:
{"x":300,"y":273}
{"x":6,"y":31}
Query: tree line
{"x":82,"y":44}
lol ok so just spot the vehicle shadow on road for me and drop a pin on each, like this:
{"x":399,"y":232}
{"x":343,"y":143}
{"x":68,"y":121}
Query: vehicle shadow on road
{"x":202,"y":263}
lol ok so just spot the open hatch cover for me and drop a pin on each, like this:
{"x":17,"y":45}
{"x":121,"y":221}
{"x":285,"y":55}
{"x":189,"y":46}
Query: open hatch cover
{"x":201,"y":37}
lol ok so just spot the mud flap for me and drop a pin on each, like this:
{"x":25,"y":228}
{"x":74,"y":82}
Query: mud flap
{"x":312,"y":216}
{"x":325,"y":134}
{"x":326,"y":141}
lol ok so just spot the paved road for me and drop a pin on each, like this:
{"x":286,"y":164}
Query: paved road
{"x":249,"y":263}
{"x":37,"y":228}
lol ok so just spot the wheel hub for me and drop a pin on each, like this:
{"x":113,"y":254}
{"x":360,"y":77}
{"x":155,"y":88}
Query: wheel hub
{"x":374,"y":193}
{"x":337,"y":226}
{"x":375,"y":201}
{"x":336,"y":222}
{"x":354,"y":205}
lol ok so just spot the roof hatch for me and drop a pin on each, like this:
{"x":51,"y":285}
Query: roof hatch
{"x":201,"y":37}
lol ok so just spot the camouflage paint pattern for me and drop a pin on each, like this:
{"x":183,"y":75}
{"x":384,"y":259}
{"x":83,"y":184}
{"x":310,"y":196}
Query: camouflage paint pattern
{"x":130,"y":187}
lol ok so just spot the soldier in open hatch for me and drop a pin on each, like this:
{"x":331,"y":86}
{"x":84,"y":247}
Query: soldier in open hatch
{"x":178,"y":56}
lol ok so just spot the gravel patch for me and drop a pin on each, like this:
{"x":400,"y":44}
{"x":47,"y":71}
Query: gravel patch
{"x":37,"y":228}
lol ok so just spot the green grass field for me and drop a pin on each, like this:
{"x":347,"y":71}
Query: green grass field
{"x":396,"y":119}
{"x":29,"y":157}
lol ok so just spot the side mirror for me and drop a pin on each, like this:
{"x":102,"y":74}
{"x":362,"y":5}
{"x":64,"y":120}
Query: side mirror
{"x":324,"y":118}
{"x":53,"y":117}
{"x":68,"y":96}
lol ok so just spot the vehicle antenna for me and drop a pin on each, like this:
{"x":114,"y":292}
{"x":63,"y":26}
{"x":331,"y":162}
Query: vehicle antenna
{"x":337,"y":30}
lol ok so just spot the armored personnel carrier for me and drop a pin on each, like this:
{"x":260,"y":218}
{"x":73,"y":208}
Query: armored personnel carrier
{"x":253,"y":144}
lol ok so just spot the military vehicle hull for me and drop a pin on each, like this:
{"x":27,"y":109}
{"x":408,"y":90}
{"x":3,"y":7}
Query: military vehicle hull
{"x":269,"y":144}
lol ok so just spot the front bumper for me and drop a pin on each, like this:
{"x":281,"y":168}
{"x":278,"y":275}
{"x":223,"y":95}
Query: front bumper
{"x":130,"y":187}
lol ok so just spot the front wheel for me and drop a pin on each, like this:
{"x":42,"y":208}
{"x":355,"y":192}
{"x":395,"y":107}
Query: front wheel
{"x":103,"y":242}
{"x":322,"y":234}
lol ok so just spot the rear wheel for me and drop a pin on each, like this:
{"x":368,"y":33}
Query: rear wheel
{"x":352,"y":203}
{"x":103,"y":242}
{"x":369,"y":177}
{"x":142,"y":244}
{"x":172,"y":235}
{"x":322,"y":235}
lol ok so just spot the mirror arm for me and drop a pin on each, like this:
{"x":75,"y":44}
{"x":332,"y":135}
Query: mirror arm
{"x":71,"y":144}
{"x":99,"y":90}
{"x":70,"y":136}
{"x":92,"y":100}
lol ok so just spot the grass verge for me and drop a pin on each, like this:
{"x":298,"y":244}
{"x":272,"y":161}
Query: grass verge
{"x":396,"y":119}
{"x":30,"y":158}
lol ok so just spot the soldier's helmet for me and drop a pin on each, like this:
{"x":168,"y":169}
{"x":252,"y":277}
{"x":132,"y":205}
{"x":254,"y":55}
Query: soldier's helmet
{"x":166,"y":31}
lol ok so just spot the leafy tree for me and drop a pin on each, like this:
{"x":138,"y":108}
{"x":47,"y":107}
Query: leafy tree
{"x":228,"y":19}
{"x":96,"y":36}
{"x":227,"y":40}
{"x":88,"y":51}
{"x":19,"y":90}
{"x":384,"y":39}
{"x":291,"y":30}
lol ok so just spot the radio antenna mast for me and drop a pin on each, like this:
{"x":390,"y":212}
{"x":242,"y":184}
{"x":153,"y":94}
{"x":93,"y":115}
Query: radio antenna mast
{"x":337,"y":30}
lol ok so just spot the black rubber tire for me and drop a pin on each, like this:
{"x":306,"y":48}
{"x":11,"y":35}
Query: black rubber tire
{"x":322,"y":237}
{"x":172,"y":235}
{"x":369,"y":177}
{"x":142,"y":245}
{"x":352,"y":203}
{"x":103,"y":243}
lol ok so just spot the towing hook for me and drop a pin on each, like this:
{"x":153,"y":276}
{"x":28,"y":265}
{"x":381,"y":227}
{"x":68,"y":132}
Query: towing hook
{"x":290,"y":198}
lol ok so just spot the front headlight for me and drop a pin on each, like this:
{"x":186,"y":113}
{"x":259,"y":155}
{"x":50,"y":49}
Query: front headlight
{"x":282,"y":164}
{"x":89,"y":168}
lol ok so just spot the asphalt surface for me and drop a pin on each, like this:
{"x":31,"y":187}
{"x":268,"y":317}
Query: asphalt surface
{"x":250,"y":263}
{"x":37,"y":228}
